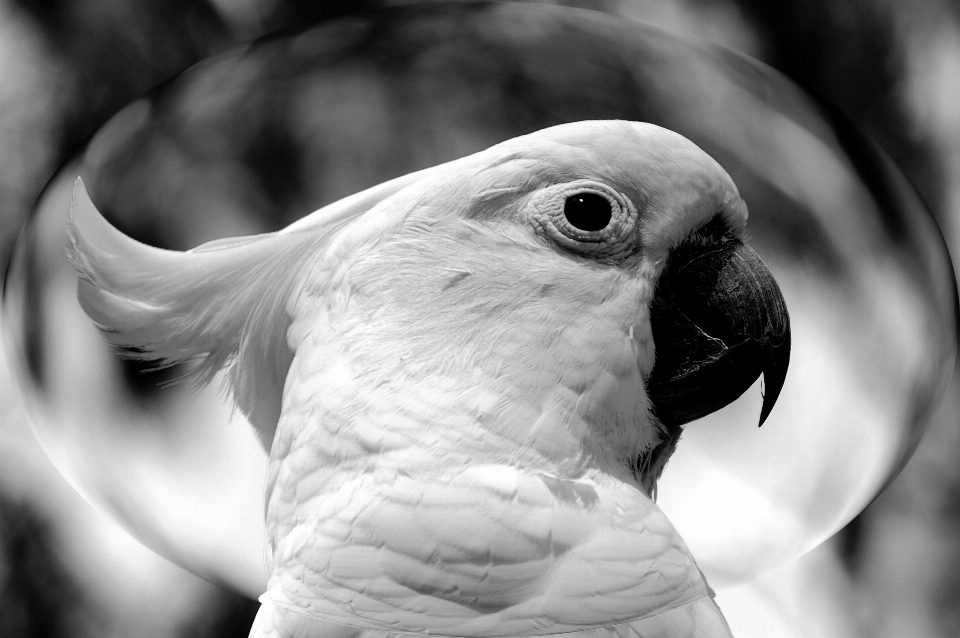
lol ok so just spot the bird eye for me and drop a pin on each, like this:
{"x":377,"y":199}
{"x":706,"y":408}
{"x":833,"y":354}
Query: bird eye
{"x":588,"y":211}
{"x":586,"y":217}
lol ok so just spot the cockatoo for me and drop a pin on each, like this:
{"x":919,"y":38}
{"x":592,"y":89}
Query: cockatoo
{"x":470,"y":378}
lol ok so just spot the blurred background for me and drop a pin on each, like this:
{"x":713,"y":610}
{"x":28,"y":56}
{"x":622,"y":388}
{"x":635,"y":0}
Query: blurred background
{"x":66,"y":66}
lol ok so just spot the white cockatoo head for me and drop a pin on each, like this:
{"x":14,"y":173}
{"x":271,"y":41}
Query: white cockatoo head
{"x":547,"y":312}
{"x":543,"y":260}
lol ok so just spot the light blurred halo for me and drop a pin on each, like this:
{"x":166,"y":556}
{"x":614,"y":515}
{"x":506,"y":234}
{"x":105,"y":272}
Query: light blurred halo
{"x":252,"y":139}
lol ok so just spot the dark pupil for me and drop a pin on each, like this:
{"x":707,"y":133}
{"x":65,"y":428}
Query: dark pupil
{"x":587,"y":211}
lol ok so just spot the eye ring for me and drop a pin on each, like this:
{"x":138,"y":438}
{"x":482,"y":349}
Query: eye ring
{"x":552,"y":217}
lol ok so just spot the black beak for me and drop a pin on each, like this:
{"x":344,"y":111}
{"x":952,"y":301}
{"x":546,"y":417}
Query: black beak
{"x":718,"y":321}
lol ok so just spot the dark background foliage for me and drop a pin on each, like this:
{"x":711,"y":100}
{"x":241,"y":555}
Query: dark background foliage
{"x":66,"y":66}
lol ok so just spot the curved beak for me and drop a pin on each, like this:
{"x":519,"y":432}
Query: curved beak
{"x":718,"y":321}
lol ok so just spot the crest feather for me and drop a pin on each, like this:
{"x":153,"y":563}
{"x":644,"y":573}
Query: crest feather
{"x":224,"y":303}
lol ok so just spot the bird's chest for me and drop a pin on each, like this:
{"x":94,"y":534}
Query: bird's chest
{"x":348,"y":429}
{"x":406,"y":506}
{"x":355,"y":433}
{"x":355,"y":406}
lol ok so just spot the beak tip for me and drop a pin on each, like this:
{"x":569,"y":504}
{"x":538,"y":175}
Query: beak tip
{"x":770,"y":396}
{"x":774,"y":377}
{"x":764,"y":412}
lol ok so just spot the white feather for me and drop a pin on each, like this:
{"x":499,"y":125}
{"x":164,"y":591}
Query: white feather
{"x":224,"y":303}
{"x":464,"y":398}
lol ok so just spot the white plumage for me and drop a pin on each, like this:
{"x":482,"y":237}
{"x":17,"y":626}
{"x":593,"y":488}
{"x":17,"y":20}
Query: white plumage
{"x":450,"y":378}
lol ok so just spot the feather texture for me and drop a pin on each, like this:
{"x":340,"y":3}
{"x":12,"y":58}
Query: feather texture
{"x":224,"y":303}
{"x":699,"y":619}
{"x":455,"y":378}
